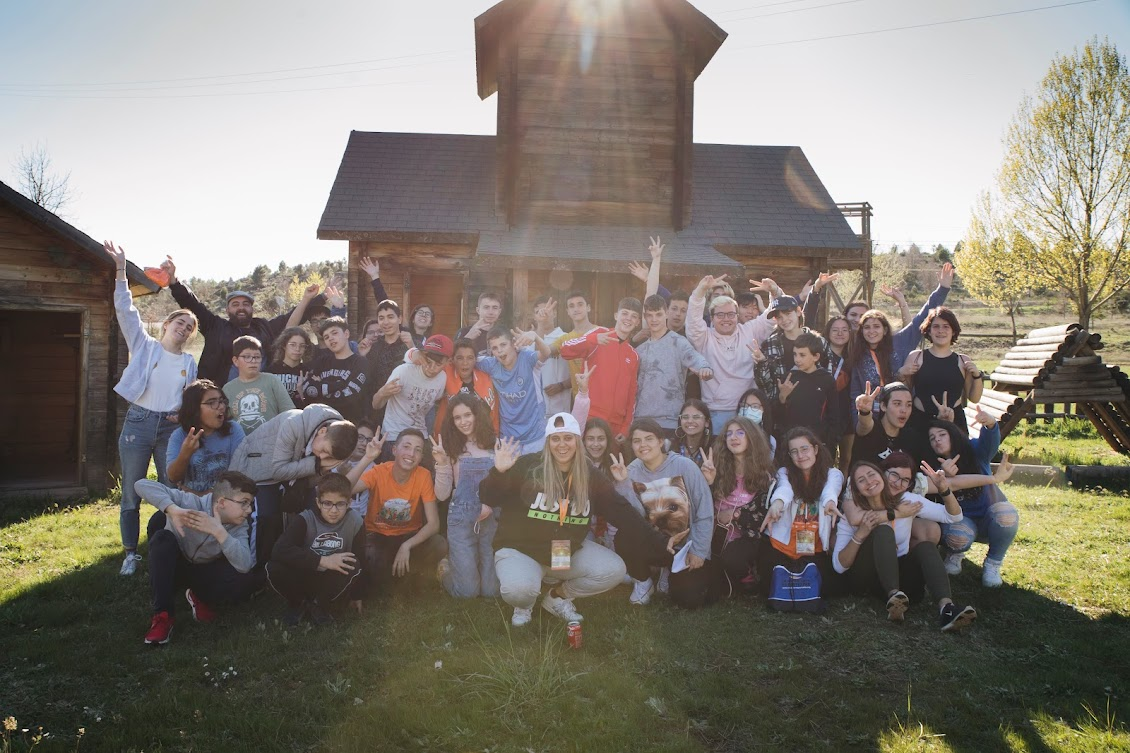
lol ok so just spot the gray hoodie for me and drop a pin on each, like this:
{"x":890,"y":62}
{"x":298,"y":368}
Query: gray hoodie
{"x":276,"y":451}
{"x":702,"y":503}
{"x":199,"y":548}
{"x":662,"y":378}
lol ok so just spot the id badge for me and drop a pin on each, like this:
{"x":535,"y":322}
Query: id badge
{"x":560,"y":554}
{"x":806,"y":541}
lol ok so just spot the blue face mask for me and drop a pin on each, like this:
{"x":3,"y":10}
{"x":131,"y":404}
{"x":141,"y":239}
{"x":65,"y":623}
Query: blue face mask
{"x":753,"y":414}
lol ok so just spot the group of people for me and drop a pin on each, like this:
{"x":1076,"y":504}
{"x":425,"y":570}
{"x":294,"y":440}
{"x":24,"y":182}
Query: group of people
{"x":701,"y":442}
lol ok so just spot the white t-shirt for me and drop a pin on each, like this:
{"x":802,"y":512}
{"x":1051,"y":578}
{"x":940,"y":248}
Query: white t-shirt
{"x":556,"y":371}
{"x":166,"y":383}
{"x":409,"y":408}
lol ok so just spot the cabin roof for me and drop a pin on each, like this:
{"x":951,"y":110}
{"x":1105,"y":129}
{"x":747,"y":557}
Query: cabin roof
{"x":51,"y":222}
{"x":704,"y":37}
{"x":437,"y":188}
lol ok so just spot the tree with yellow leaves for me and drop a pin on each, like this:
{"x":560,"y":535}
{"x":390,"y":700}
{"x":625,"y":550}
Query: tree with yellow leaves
{"x":992,"y":260}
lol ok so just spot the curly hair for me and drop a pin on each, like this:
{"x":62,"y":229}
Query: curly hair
{"x":755,"y":465}
{"x":454,"y":441}
{"x":189,"y":416}
{"x":278,"y":347}
{"x":945,"y":314}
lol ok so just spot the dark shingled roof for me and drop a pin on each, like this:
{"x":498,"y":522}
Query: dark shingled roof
{"x":51,"y":222}
{"x":394,"y":186}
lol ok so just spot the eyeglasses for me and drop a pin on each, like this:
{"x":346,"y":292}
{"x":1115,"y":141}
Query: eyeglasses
{"x":691,"y":417}
{"x":251,"y":359}
{"x":216,"y":402}
{"x":796,"y":452}
{"x":335,"y":506}
{"x":248,"y":504}
{"x":894,"y":478}
{"x":725,"y":315}
{"x":735,"y":433}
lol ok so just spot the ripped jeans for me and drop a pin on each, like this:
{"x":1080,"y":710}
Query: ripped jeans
{"x":997,"y":527}
{"x":145,"y":434}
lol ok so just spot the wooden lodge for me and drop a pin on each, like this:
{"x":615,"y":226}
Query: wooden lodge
{"x":60,"y":354}
{"x":594,"y":153}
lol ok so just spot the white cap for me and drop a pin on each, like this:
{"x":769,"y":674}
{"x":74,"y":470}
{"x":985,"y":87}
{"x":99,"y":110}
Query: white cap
{"x":568,"y":425}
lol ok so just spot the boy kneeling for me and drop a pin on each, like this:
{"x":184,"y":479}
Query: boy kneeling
{"x":198,"y":543}
{"x":318,"y":557}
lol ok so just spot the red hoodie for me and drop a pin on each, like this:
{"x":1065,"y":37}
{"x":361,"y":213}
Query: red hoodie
{"x":612,"y":387}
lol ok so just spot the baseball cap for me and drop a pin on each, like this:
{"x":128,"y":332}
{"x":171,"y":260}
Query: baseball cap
{"x":562,"y":423}
{"x":240,"y":294}
{"x":784,"y":303}
{"x":440,"y":345}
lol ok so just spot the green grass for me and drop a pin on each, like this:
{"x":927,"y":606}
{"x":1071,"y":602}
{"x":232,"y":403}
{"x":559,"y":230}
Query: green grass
{"x":1047,"y":668}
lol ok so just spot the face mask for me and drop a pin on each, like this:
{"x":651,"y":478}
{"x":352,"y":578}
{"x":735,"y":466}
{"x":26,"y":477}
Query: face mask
{"x":753,"y":414}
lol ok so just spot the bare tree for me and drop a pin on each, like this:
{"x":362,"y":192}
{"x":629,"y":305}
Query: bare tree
{"x":40,"y":182}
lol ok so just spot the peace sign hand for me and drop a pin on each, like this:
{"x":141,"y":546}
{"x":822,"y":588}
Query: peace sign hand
{"x":192,"y":440}
{"x":618,"y":469}
{"x":707,"y":467}
{"x":945,"y":412}
{"x":438,"y":453}
{"x":865,"y":402}
{"x":709,"y":282}
{"x":374,"y":445}
{"x":755,"y":351}
{"x":938,"y":477}
{"x":583,"y":378}
{"x":506,"y":452}
{"x":656,"y":248}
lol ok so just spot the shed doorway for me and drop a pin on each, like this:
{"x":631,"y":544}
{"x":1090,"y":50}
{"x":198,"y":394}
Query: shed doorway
{"x":40,"y":406}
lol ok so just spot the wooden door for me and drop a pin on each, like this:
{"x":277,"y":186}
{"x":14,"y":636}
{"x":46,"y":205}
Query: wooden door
{"x":443,"y":292}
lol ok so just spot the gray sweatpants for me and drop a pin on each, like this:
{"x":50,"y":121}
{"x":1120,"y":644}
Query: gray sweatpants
{"x":594,"y":570}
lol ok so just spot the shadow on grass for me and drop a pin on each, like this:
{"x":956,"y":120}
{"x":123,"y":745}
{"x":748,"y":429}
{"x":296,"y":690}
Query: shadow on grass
{"x":733,"y":677}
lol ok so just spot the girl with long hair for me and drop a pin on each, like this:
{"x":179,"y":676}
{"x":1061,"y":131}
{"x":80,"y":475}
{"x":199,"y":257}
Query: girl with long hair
{"x":421,"y":323}
{"x":837,"y":332}
{"x":290,"y":360}
{"x":744,"y":476}
{"x":802,"y":507}
{"x":464,"y":455}
{"x":201,"y":448}
{"x":756,"y":406}
{"x":877,"y":554}
{"x":153,"y":382}
{"x":549,"y":498}
{"x":693,"y":435}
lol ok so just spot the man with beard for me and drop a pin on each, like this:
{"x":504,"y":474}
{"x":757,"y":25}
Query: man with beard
{"x":219,"y":333}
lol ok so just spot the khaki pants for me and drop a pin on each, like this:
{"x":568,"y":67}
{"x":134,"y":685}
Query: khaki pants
{"x":594,"y":570}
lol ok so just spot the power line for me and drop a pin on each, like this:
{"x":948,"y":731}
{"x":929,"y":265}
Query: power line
{"x":763,"y":5}
{"x":916,"y":26}
{"x":794,"y":10}
{"x":216,"y":94}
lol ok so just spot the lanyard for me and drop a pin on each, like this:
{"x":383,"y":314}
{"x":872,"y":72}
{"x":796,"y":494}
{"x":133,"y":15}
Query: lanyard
{"x":563,"y":505}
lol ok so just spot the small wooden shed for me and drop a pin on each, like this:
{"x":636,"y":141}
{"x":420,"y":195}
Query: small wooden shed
{"x":60,"y":354}
{"x":594,"y":153}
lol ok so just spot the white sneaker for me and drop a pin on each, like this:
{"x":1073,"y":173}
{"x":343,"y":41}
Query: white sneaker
{"x":664,"y":580}
{"x":129,"y":564}
{"x":953,"y":562}
{"x":641,"y":592}
{"x":991,"y":574}
{"x":560,"y":607}
{"x":522,"y":616}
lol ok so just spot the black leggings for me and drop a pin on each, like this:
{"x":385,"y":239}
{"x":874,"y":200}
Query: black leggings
{"x":878,"y":570}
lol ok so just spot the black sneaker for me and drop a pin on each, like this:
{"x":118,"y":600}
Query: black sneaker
{"x":954,"y":618}
{"x":294,"y":614}
{"x":319,"y":616}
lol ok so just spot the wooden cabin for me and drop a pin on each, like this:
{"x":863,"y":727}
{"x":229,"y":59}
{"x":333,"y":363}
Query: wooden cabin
{"x":60,"y":354}
{"x":594,"y":153}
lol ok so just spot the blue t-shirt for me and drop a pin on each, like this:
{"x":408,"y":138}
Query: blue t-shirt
{"x":520,"y":405}
{"x":210,"y":459}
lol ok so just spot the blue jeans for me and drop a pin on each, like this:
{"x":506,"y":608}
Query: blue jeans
{"x":145,"y":434}
{"x":470,"y":544}
{"x":997,"y":527}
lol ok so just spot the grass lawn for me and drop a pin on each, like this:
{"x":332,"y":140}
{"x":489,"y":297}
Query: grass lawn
{"x":1047,"y":667}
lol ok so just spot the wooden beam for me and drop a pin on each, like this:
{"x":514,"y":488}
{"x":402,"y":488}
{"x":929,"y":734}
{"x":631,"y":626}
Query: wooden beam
{"x":520,"y":282}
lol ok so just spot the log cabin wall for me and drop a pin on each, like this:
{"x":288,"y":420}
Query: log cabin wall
{"x":57,"y":372}
{"x":594,"y":117}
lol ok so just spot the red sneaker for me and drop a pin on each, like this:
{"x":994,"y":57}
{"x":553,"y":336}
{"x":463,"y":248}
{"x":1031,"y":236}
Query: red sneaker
{"x":159,"y":629}
{"x":201,"y":612}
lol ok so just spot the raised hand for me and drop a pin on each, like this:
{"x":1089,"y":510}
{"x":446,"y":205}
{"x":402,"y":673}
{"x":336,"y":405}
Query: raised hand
{"x":938,"y":477}
{"x":334,"y":297}
{"x":865,"y":402}
{"x":523,"y":339}
{"x":912,"y":364}
{"x":983,"y":417}
{"x":785,"y":388}
{"x":116,"y":253}
{"x":311,"y":292}
{"x":170,"y":269}
{"x":438,"y":453}
{"x":406,"y":338}
{"x":364,"y":346}
{"x":637,"y":270}
{"x":656,"y":248}
{"x":709,"y":282}
{"x":618,"y":469}
{"x":506,"y":452}
{"x":1004,"y":469}
{"x":755,"y":351}
{"x":949,"y":465}
{"x":707,"y":467}
{"x":824,"y":279}
{"x":371,"y":267}
{"x":892,"y":292}
{"x":546,"y":312}
{"x":945,"y":277}
{"x":374,"y":445}
{"x":192,"y":440}
{"x":765,"y":285}
{"x":945,"y":412}
{"x":583,"y":378}
{"x":303,"y":380}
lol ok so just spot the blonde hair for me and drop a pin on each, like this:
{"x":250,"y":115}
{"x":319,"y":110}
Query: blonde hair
{"x":555,"y":484}
{"x":179,"y":313}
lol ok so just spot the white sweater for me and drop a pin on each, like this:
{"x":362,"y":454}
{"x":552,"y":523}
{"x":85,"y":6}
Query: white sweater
{"x":782,"y":530}
{"x":930,"y":511}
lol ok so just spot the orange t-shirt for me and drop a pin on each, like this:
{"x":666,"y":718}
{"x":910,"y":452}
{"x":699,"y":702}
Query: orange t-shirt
{"x":395,"y":509}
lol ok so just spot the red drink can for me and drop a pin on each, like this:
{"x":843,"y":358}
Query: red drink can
{"x":573,"y":634}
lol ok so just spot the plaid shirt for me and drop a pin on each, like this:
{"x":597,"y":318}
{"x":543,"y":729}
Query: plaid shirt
{"x":774,"y":369}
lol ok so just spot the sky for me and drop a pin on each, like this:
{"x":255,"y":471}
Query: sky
{"x":212,"y":130}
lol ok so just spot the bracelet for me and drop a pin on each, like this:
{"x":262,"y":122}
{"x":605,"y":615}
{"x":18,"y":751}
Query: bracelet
{"x":856,"y":541}
{"x":945,"y":493}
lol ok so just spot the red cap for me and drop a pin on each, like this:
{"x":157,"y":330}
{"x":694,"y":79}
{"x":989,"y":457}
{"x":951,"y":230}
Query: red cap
{"x":439,"y":344}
